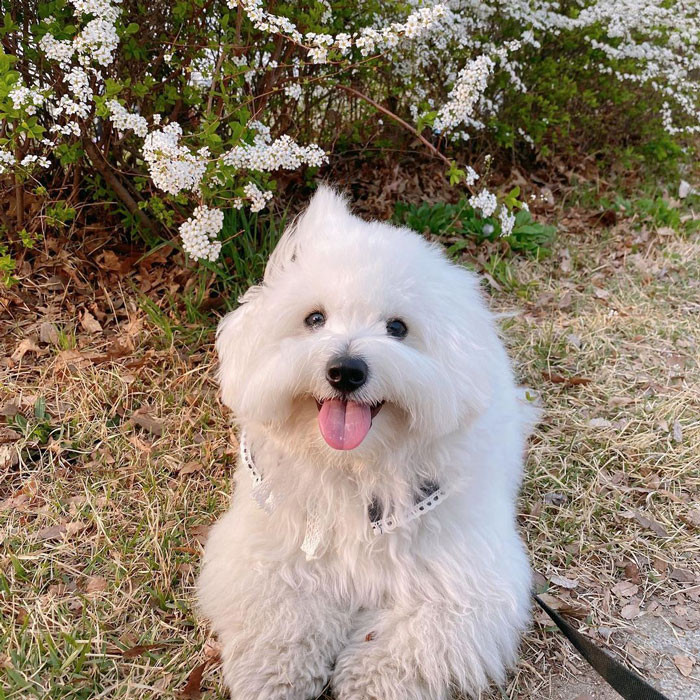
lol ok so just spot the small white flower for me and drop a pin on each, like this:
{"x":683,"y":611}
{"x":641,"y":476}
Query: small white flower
{"x":258,"y":198}
{"x":199,"y":233}
{"x":125,"y":121}
{"x":172,"y":167}
{"x":485,"y":201}
{"x":294,"y":91}
{"x":266,"y":155}
{"x":507,"y":221}
{"x":6,"y":160}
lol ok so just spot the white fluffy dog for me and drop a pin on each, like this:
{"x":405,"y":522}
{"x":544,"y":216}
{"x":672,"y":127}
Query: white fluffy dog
{"x":371,"y":542}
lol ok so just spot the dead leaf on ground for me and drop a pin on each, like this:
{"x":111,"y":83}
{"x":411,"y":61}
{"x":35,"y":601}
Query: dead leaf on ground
{"x":193,"y":687}
{"x":563,"y":582}
{"x":565,"y":301}
{"x":682,"y":575}
{"x":565,"y":606}
{"x":684,"y":664}
{"x":9,"y":409}
{"x":200,"y":533}
{"x":659,"y":564}
{"x":617,"y":401}
{"x":9,"y":456}
{"x":73,"y":358}
{"x":48,"y":333}
{"x":692,"y":517}
{"x":625,"y":589}
{"x":656,"y":527}
{"x":568,"y":381}
{"x":191,"y":468}
{"x":14,"y":502}
{"x":565,"y":261}
{"x":26,"y":346}
{"x":630,"y":611}
{"x":632,"y":572}
{"x":8,"y":435}
{"x":555,"y":499}
{"x":90,"y":323}
{"x":148,"y":423}
{"x":139,"y":649}
{"x":53,"y":532}
{"x":96,"y":584}
{"x":121,"y":346}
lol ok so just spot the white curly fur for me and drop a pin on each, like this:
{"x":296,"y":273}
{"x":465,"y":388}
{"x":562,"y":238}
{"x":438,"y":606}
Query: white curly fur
{"x":435,"y":606}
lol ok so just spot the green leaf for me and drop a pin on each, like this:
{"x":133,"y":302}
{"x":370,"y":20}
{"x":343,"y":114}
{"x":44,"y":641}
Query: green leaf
{"x":455,"y":174}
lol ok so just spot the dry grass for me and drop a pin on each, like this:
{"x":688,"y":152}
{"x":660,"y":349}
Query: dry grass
{"x":100,"y":523}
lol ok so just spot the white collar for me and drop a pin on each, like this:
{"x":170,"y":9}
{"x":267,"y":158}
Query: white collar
{"x":429,"y":495}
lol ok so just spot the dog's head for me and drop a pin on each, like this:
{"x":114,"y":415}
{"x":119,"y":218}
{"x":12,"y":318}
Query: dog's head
{"x":361,"y":337}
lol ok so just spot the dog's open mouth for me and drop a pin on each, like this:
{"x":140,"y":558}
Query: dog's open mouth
{"x":344,"y":424}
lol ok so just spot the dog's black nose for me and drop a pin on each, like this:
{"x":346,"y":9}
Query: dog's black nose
{"x":346,"y":373}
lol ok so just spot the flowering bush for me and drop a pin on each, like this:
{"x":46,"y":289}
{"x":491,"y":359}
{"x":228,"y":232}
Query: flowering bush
{"x":185,"y":109}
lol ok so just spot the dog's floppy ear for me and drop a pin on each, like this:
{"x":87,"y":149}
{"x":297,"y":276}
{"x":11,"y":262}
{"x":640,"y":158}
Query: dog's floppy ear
{"x":237,"y":337}
{"x":324,"y":214}
{"x":284,"y":253}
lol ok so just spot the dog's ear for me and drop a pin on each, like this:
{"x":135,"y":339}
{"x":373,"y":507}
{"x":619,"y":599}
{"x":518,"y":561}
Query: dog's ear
{"x":284,"y":253}
{"x":324,"y":215}
{"x":327,"y":210}
{"x":236,"y":339}
{"x":472,"y":352}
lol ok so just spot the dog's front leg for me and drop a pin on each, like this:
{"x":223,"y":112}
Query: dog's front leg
{"x":279,"y":627}
{"x":424,"y":652}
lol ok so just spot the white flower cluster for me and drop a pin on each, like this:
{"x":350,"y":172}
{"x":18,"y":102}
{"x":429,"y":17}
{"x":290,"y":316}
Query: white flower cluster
{"x":485,"y":201}
{"x":293,"y":90}
{"x":507,"y":221}
{"x":368,"y":40}
{"x":258,"y":198}
{"x":30,"y":159}
{"x":266,"y":155}
{"x":199,"y":233}
{"x":57,"y":50}
{"x":173,"y":167}
{"x":471,"y":176}
{"x":470,"y":85}
{"x":126,"y":121}
{"x":659,"y":39}
{"x":6,"y":160}
{"x":25,"y":97}
{"x":95,"y":44}
{"x":98,"y":41}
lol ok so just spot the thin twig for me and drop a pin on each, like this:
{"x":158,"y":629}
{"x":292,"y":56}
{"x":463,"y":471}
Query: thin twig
{"x":398,"y":120}
{"x":214,"y":76}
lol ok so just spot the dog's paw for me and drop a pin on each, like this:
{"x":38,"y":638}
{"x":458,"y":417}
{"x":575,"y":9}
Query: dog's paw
{"x":274,"y":673}
{"x":370,"y":672}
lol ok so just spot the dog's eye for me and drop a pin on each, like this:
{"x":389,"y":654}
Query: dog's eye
{"x":315,"y":319}
{"x":396,"y":328}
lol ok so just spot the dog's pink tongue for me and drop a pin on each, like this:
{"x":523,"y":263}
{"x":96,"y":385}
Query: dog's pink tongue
{"x":344,"y":424}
